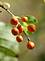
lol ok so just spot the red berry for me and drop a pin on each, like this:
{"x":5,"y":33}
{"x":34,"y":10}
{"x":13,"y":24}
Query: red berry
{"x":14,"y":21}
{"x":24,"y":19}
{"x":20,"y":28}
{"x":19,"y":38}
{"x":30,"y":45}
{"x":31,"y":28}
{"x":15,"y":31}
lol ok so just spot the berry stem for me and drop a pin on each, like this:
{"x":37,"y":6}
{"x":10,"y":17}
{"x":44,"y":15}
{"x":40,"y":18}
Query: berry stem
{"x":28,"y":38}
{"x":7,"y":10}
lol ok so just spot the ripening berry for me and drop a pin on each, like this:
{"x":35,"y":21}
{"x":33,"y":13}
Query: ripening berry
{"x":14,"y":21}
{"x":31,"y":28}
{"x":24,"y":19}
{"x":19,"y":38}
{"x":15,"y":31}
{"x":30,"y":45}
{"x":20,"y":28}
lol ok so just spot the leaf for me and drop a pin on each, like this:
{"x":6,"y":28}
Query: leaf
{"x":3,"y":57}
{"x":32,"y":19}
{"x":24,"y":24}
{"x":8,"y":44}
{"x":6,"y":50}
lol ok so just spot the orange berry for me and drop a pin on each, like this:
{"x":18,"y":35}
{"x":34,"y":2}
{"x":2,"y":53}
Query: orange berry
{"x":30,"y":45}
{"x":14,"y":21}
{"x":20,"y":28}
{"x":24,"y":19}
{"x":31,"y":28}
{"x":15,"y":31}
{"x":19,"y":38}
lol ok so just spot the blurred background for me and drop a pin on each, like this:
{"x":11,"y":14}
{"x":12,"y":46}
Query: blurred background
{"x":35,"y":8}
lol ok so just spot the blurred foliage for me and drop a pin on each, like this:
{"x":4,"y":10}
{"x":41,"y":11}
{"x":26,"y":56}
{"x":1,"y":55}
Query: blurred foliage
{"x":8,"y":45}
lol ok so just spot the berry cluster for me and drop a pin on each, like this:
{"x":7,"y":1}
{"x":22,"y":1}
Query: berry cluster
{"x":27,"y":24}
{"x":19,"y":28}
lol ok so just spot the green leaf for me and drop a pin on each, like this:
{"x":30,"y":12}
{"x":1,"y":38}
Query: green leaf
{"x":32,"y":19}
{"x":24,"y":24}
{"x":8,"y":44}
{"x":3,"y":57}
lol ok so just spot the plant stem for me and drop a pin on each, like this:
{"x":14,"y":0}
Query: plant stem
{"x":28,"y":38}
